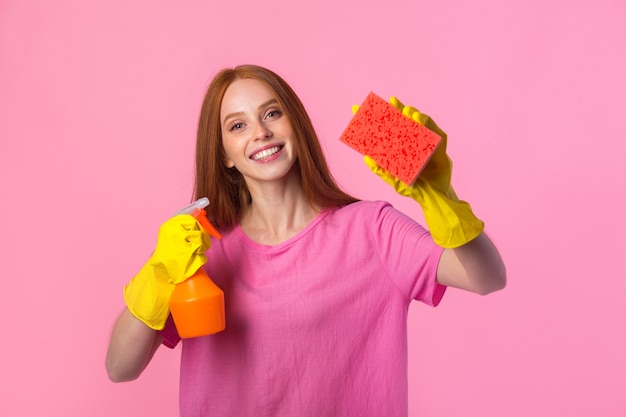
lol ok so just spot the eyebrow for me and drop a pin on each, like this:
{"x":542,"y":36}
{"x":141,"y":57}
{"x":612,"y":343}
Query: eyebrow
{"x":239,"y":113}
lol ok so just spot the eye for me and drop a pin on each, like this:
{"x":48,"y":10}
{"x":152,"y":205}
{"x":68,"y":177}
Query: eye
{"x":235,"y":126}
{"x":273,"y":114}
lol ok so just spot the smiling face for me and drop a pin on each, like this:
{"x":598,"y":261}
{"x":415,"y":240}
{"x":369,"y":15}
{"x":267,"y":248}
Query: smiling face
{"x":257,"y":135}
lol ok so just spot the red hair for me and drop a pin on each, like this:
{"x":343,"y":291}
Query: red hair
{"x":225,"y":187}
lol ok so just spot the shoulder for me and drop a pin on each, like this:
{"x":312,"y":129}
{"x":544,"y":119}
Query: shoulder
{"x":373,"y":215}
{"x":363,"y":207}
{"x":381,"y":219}
{"x":376,"y":211}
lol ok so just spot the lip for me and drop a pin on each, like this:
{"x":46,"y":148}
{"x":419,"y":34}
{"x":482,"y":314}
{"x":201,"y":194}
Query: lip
{"x":270,"y":157}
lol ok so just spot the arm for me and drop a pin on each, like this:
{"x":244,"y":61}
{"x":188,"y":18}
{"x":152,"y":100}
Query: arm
{"x":135,"y":338}
{"x":131,"y":348}
{"x":470,"y":260}
{"x":475,"y":266}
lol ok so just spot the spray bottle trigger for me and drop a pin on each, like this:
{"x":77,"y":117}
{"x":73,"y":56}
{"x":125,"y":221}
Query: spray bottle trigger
{"x":200,"y":215}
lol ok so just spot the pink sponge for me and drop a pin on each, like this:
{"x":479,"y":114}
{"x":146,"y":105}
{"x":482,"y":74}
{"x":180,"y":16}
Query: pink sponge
{"x":395,"y":142}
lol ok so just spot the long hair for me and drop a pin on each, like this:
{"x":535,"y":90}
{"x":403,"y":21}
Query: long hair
{"x":225,"y":187}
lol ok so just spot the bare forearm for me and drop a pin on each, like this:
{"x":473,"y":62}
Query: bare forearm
{"x":131,"y":348}
{"x":475,"y":266}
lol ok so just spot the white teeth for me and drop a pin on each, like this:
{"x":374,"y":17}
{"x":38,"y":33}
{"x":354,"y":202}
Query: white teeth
{"x":265,"y":153}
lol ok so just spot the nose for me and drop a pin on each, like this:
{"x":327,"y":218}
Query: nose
{"x":262,"y":132}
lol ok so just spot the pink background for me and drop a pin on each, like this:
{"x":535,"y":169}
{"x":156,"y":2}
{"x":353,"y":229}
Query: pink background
{"x":98,"y":107}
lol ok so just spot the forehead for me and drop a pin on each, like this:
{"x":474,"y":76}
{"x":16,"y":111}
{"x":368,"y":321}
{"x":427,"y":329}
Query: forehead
{"x":245,"y":94}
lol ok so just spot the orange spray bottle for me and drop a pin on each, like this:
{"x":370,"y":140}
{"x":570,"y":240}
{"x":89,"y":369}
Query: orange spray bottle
{"x":197,"y":304}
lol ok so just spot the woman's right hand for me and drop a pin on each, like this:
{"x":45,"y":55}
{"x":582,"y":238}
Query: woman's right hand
{"x":180,"y":251}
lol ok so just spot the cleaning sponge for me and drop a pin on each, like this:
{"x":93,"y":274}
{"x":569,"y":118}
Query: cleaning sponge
{"x":397,"y":143}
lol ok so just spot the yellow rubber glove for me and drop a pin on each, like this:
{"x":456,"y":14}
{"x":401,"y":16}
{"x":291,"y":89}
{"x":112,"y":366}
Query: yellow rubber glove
{"x":180,"y":251}
{"x":451,"y":221}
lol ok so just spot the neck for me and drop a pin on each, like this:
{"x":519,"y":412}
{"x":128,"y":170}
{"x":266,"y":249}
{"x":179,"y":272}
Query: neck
{"x":278,"y":212}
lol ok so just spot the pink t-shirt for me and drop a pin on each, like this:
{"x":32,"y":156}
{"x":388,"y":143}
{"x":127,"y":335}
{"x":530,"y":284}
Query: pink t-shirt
{"x":315,"y":326}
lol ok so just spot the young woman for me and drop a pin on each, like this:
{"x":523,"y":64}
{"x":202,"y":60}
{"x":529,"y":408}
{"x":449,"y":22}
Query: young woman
{"x":317,"y":283}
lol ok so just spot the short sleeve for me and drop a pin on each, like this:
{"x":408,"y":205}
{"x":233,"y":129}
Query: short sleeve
{"x":170,"y":334}
{"x":410,"y":255}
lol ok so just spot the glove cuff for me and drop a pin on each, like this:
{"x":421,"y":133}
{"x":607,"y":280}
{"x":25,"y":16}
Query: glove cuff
{"x":147,"y":297}
{"x":451,"y":221}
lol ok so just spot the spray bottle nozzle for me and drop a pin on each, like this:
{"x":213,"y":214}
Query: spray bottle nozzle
{"x":198,"y":204}
{"x":196,"y":209}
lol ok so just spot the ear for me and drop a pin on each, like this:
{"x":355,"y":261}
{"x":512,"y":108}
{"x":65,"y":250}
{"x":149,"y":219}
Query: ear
{"x":229,"y":163}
